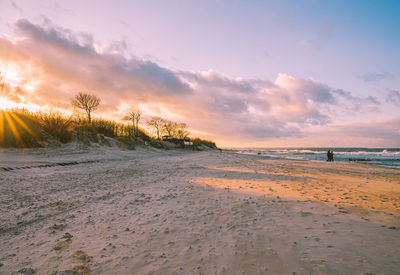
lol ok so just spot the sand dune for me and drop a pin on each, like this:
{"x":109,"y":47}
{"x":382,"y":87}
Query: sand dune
{"x":86,"y":210}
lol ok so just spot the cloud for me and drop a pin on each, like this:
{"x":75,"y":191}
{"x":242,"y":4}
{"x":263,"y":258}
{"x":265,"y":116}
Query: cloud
{"x":379,"y":132}
{"x":376,"y":76}
{"x":393,"y":97}
{"x":351,"y":104}
{"x":72,"y":63}
{"x":63,"y":63}
{"x":15,"y":6}
{"x":383,"y":128}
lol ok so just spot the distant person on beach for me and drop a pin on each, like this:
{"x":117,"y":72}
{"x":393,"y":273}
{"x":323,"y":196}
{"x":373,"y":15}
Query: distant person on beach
{"x":329,"y":155}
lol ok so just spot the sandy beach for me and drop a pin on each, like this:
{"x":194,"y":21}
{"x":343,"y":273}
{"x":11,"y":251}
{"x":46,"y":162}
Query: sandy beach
{"x":103,"y":210}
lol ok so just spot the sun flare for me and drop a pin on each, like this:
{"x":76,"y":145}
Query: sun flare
{"x":14,"y":76}
{"x":11,"y":74}
{"x":17,"y":127}
{"x":6,"y":104}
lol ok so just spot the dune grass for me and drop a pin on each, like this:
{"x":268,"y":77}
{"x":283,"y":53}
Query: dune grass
{"x":208,"y":143}
{"x":56,"y":124}
{"x":21,"y":128}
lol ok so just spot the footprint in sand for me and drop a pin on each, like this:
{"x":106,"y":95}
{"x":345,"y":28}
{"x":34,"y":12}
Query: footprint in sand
{"x":82,"y":256}
{"x":78,"y":269}
{"x":61,"y":245}
{"x":82,"y":268}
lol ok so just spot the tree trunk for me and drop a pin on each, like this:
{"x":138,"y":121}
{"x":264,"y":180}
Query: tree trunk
{"x":89,"y":118}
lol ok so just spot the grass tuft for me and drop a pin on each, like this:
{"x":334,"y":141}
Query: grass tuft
{"x":56,"y":124}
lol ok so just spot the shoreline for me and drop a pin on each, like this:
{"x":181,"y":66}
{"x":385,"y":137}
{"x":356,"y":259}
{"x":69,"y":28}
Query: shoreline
{"x":379,"y":162}
{"x":183,"y":212}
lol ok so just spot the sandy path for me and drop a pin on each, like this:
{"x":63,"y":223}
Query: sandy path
{"x":177,"y":212}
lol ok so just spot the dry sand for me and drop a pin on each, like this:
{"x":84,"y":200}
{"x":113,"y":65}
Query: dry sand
{"x":99,"y":210}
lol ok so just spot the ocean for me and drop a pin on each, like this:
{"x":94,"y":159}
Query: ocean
{"x":385,"y":157}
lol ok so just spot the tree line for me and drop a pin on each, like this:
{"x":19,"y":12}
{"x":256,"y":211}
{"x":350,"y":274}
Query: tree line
{"x":161,"y":126}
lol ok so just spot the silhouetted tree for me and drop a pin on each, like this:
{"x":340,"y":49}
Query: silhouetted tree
{"x":134,"y":115}
{"x":157,"y":123}
{"x":182,"y":131}
{"x":87,"y":102}
{"x":176,"y":130}
{"x":170,"y":127}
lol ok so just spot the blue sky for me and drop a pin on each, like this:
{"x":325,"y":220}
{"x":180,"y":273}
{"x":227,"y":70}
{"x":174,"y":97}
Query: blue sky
{"x":351,"y":47}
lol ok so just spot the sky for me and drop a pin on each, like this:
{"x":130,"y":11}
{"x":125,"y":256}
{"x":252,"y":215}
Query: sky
{"x":242,"y":73}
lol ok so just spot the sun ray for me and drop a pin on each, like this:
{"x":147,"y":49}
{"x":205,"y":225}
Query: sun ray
{"x":22,"y":124}
{"x":1,"y":127}
{"x":12,"y":127}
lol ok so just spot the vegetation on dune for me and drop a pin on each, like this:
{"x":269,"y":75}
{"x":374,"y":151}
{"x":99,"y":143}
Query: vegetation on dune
{"x":22,"y":128}
{"x":55,"y":124}
{"x":208,"y":143}
{"x":19,"y":129}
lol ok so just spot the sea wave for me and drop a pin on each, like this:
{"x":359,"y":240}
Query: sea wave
{"x":373,"y":159}
{"x":388,"y":157}
{"x":310,"y":151}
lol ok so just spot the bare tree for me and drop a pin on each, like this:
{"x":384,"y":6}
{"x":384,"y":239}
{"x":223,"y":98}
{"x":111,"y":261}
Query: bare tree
{"x":134,"y":115}
{"x":182,"y":131}
{"x":158,"y":123}
{"x":87,"y":102}
{"x":170,"y":127}
{"x":176,"y":130}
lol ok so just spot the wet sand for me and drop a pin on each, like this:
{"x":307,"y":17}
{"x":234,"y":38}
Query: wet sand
{"x":78,"y":210}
